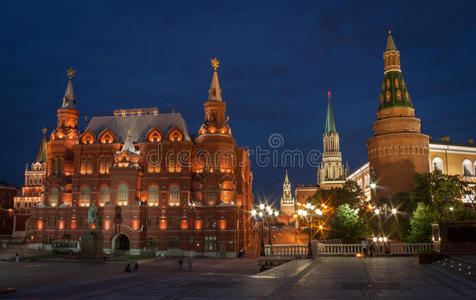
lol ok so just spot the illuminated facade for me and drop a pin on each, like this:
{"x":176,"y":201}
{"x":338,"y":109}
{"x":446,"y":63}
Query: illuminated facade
{"x":7,"y":216}
{"x":153,"y":185}
{"x":32,"y":192}
{"x":398,"y":150}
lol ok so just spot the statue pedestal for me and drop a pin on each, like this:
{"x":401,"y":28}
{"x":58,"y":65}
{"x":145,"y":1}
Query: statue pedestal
{"x":92,"y":244}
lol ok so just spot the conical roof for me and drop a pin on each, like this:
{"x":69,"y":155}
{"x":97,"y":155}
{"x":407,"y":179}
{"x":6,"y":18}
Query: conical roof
{"x":394,"y":91}
{"x":286,"y":179}
{"x":41,"y":155}
{"x":330,"y":124}
{"x":390,"y":42}
{"x":69,"y":100}
{"x":214,"y":93}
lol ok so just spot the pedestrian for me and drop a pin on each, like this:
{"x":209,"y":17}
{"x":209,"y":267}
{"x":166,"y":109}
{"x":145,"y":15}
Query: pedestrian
{"x":17,"y":257}
{"x":136,"y":266}
{"x":180,"y":263}
{"x":21,"y":257}
{"x":372,"y":248}
{"x":104,"y":259}
{"x":365,"y":246}
{"x":190,"y":264}
{"x":156,"y":256}
{"x":128,"y":268}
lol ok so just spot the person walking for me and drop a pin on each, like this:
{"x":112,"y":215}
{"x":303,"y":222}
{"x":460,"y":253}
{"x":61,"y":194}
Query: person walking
{"x":136,"y":267}
{"x":365,"y":247}
{"x":372,"y":248}
{"x":180,"y":263}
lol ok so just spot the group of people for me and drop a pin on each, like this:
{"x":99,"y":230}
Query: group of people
{"x":368,"y":247}
{"x":18,"y":257}
{"x":128,"y":268}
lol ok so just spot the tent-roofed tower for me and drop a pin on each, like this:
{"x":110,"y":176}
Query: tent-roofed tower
{"x":331,"y":172}
{"x":398,"y":150}
{"x":287,"y":203}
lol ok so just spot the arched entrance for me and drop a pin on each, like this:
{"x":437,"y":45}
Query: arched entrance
{"x":121,"y":243}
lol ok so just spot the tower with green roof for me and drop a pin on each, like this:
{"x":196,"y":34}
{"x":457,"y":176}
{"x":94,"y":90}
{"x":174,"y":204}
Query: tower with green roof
{"x":331,"y":172}
{"x":397,"y":150}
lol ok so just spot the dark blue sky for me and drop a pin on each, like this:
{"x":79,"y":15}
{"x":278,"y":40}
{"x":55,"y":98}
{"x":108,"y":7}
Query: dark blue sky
{"x":278,"y":59}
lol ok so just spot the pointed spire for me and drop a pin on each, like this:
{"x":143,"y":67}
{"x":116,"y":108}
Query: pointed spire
{"x":330,"y":124}
{"x":394,"y":91}
{"x":390,"y":42}
{"x":214,"y":93}
{"x":69,"y":100}
{"x":286,"y":179}
{"x":41,"y":155}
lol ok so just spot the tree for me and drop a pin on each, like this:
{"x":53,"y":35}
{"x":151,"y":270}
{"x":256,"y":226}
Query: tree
{"x":347,"y":225}
{"x":350,"y":193}
{"x":420,"y":224}
{"x":437,"y":197}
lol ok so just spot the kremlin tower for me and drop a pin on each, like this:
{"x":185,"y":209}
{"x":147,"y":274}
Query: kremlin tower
{"x":331,"y":172}
{"x":397,"y":150}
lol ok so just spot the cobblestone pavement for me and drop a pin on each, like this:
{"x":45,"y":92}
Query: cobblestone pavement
{"x":330,"y":278}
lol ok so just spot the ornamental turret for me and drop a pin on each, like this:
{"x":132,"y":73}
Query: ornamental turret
{"x":66,"y":134}
{"x":398,"y":150}
{"x":331,"y":172}
{"x":215,"y":123}
{"x":287,"y":202}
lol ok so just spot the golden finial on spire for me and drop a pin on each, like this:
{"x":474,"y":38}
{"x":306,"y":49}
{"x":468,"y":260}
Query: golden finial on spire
{"x":129,"y":132}
{"x":70,"y":72}
{"x":215,"y":63}
{"x":44,"y":130}
{"x":389,"y":32}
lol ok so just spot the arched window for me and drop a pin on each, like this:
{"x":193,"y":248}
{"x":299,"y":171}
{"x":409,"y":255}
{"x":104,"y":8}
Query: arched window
{"x":104,"y":197}
{"x":53,"y":197}
{"x":174,"y":196}
{"x":211,"y":195}
{"x":467,"y":168}
{"x":122,"y":194}
{"x":437,"y":164}
{"x":85,"y":196}
{"x":153,"y":196}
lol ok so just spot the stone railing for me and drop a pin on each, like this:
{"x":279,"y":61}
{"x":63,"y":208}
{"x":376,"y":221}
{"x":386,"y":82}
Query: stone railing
{"x":285,"y":250}
{"x":348,"y":249}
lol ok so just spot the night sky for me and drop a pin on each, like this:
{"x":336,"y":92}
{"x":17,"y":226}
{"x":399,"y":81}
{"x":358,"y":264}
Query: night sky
{"x":278,"y":60}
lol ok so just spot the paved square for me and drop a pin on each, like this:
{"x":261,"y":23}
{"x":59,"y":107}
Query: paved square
{"x":330,"y":278}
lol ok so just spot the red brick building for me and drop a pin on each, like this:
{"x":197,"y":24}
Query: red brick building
{"x":154,"y":186}
{"x":7,"y":193}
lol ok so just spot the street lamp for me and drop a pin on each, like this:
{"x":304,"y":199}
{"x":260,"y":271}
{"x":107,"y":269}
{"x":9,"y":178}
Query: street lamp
{"x":383,"y":212}
{"x":308,"y":213}
{"x":264,"y":212}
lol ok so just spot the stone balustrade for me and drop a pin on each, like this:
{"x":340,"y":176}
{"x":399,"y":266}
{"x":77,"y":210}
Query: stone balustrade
{"x":347,"y":249}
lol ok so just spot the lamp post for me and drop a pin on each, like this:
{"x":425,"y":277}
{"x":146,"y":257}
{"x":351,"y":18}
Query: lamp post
{"x":264,"y":212}
{"x":308,"y":212}
{"x":384,"y":212}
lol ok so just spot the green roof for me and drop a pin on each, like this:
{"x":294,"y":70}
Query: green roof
{"x":330,"y":124}
{"x":394,"y":91}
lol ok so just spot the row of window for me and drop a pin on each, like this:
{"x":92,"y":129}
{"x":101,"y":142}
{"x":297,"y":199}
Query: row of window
{"x":174,"y":163}
{"x":123,"y":196}
{"x":468,"y":168}
{"x":108,"y":137}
